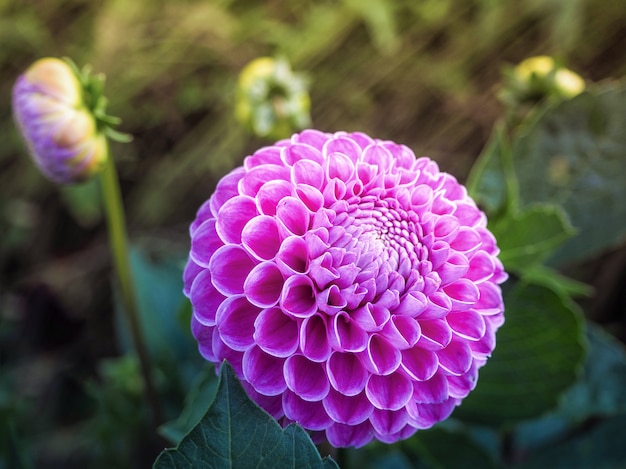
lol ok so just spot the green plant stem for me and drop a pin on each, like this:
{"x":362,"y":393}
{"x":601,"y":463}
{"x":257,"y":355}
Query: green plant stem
{"x":119,"y":246}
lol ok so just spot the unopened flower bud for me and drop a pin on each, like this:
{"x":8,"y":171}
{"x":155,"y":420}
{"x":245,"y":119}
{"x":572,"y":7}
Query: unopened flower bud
{"x":56,"y":108}
{"x":538,"y":78}
{"x":272,"y":100}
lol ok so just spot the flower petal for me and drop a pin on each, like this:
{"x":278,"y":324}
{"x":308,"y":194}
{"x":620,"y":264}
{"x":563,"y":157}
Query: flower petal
{"x":264,"y":372}
{"x":276,"y":333}
{"x":306,"y":378}
{"x":390,"y":392}
{"x":346,"y":373}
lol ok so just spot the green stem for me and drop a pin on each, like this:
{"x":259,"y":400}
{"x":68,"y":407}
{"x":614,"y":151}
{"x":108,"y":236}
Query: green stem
{"x":119,"y":246}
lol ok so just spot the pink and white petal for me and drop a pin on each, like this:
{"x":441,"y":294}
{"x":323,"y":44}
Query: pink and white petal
{"x":235,"y":319}
{"x":299,"y":296}
{"x":276,"y":333}
{"x":264,"y":372}
{"x":467,"y":324}
{"x":259,"y":175}
{"x":314,"y":339}
{"x":264,"y":285}
{"x":350,"y":410}
{"x":463,"y":293}
{"x":346,"y":373}
{"x":293,"y":215}
{"x":310,"y":415}
{"x":431,"y":391}
{"x":306,"y":378}
{"x":391,"y":392}
{"x":270,"y":194}
{"x":226,"y":189}
{"x":233,"y":216}
{"x":345,"y":335}
{"x":293,"y":256}
{"x":389,"y":422}
{"x":419,"y":364}
{"x":340,"y":435}
{"x":205,"y":299}
{"x":261,"y":238}
{"x":230,"y":266}
{"x":436,"y":334}
{"x":456,"y":357}
{"x":204,"y":243}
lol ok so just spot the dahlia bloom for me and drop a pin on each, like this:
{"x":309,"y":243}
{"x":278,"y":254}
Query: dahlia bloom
{"x":60,"y":131}
{"x":353,"y":287}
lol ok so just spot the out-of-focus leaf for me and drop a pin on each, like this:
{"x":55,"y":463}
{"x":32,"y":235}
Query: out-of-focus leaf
{"x":599,"y":393}
{"x":602,"y":391}
{"x":528,"y":237}
{"x":434,"y":447}
{"x":235,"y":432}
{"x":198,"y":399}
{"x":539,"y":352}
{"x":601,"y":447}
{"x":573,"y":155}
{"x":158,"y":286}
{"x":379,"y":17}
{"x":487,"y":181}
{"x":545,"y":276}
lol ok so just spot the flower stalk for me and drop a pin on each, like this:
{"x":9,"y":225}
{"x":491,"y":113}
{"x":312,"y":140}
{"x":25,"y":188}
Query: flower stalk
{"x":121,"y":260}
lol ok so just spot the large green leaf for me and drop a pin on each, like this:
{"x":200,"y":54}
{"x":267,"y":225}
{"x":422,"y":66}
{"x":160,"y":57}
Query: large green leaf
{"x":236,"y":433}
{"x":539,"y":352}
{"x":529,"y":236}
{"x":574,"y":155}
{"x":432,"y":448}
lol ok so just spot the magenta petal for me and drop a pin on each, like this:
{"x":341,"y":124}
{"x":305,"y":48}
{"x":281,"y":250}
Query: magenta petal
{"x":446,"y":228}
{"x":259,"y":175}
{"x":310,"y":415}
{"x":310,"y":196}
{"x":420,"y":364}
{"x":345,"y":335}
{"x":391,"y":392}
{"x":265,"y":155}
{"x":430,"y":414}
{"x":298,"y":297}
{"x":456,"y":358}
{"x":438,"y":305}
{"x":264,"y":285}
{"x":460,"y":386}
{"x":433,"y":390}
{"x":490,"y":299}
{"x":481,"y":267}
{"x":350,"y":410}
{"x":463,"y":293}
{"x":371,"y":317}
{"x":306,"y":378}
{"x":308,"y":172}
{"x":293,"y":256}
{"x":402,"y":332}
{"x":412,"y":304}
{"x":377,"y":155}
{"x":436,"y":334}
{"x":233,"y":216}
{"x":226,"y":189}
{"x":455,"y":267}
{"x":339,"y":166}
{"x":230,"y":266}
{"x":467,"y":241}
{"x":205,"y":299}
{"x":270,"y":194}
{"x":235,"y":321}
{"x":260,"y":236}
{"x":276,"y":333}
{"x":192,"y":270}
{"x":331,"y":300}
{"x":341,"y":144}
{"x":340,"y":435}
{"x":264,"y":372}
{"x":294,"y":215}
{"x":467,"y":324}
{"x":387,"y":422}
{"x":204,"y":335}
{"x":204,"y":243}
{"x":313,"y":338}
{"x":346,"y":373}
{"x":300,"y":152}
{"x":222,"y":352}
{"x":380,"y":357}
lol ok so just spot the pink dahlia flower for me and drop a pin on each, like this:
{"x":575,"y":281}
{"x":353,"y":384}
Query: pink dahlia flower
{"x":353,"y":287}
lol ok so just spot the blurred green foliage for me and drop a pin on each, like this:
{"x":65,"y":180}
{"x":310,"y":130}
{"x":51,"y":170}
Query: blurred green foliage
{"x":423,"y":73}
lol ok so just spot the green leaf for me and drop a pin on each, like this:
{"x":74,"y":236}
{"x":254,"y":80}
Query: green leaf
{"x":235,"y":432}
{"x":528,"y":237}
{"x":573,"y":155}
{"x":198,"y":399}
{"x":601,"y":447}
{"x":539,"y":352}
{"x":487,"y":183}
{"x":547,"y":277}
{"x":433,"y":447}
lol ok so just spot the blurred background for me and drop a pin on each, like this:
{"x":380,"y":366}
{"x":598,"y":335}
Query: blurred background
{"x":424,"y":73}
